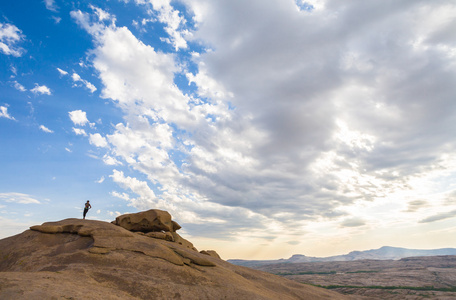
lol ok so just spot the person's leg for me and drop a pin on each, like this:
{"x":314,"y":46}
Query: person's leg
{"x":85,"y":213}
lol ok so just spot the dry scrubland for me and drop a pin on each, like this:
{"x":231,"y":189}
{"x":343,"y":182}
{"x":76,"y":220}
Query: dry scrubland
{"x":409,"y":278}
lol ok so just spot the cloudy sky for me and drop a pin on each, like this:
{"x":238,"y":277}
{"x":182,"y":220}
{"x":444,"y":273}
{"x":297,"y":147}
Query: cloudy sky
{"x":266,"y":128}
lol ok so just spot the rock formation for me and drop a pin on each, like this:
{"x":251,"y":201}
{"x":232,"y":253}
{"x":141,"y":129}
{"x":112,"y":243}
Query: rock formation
{"x":156,"y":223}
{"x":153,"y":220}
{"x":87,"y":259}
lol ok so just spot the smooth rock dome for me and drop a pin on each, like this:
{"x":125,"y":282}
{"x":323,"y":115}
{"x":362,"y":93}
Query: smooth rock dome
{"x":87,"y":259}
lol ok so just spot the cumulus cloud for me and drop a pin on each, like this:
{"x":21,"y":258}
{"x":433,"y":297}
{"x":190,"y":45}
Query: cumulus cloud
{"x":41,"y":90}
{"x":98,"y":141}
{"x":296,"y":113}
{"x":101,"y":14}
{"x":10,"y":35}
{"x":21,"y":198}
{"x":4,"y":113}
{"x":93,"y":25}
{"x":78,"y":117}
{"x":147,"y":195}
{"x":173,"y":20}
{"x":109,"y":160}
{"x":331,"y":74}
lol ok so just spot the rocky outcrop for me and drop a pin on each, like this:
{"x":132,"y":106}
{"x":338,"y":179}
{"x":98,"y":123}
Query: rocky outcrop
{"x":153,"y":220}
{"x":210,"y":253}
{"x":154,"y":223}
{"x":107,"y":237}
{"x":99,"y":260}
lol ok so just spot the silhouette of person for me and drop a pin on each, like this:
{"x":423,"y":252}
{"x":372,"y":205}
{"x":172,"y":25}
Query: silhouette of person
{"x":86,"y":208}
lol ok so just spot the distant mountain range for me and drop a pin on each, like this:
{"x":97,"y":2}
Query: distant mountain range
{"x":383,"y":253}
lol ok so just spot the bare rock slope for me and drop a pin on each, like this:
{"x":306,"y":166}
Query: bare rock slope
{"x":86,"y":259}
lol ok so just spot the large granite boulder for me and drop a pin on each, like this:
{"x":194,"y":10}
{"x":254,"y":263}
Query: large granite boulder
{"x":153,"y":223}
{"x":153,"y":220}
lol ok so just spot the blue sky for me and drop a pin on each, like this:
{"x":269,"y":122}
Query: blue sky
{"x":266,"y":128}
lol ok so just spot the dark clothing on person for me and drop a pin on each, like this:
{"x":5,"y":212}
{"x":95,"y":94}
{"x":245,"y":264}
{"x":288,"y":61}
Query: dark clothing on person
{"x":86,"y":209}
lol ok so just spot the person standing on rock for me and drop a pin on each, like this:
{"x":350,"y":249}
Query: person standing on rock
{"x":86,"y":208}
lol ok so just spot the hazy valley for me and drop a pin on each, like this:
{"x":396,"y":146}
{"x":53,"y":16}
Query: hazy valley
{"x":432,"y":277}
{"x":383,"y":253}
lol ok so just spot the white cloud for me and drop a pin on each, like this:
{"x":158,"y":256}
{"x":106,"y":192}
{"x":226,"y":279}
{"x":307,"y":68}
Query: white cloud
{"x":4,"y":113}
{"x":94,"y":27}
{"x":174,"y":22}
{"x":45,"y":129}
{"x":88,"y":85}
{"x":97,"y":140}
{"x":41,"y":90}
{"x":19,"y":87}
{"x":62,"y":72}
{"x":10,"y":35}
{"x":102,"y":15}
{"x":147,"y":196}
{"x":123,"y":196}
{"x":111,"y":161}
{"x":114,"y":214}
{"x":79,"y":131}
{"x":78,"y":117}
{"x":18,"y":198}
{"x":56,"y":19}
{"x":50,"y":5}
{"x":77,"y":79}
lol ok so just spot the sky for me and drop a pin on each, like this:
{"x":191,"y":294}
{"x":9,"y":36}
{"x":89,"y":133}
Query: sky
{"x":266,"y":128}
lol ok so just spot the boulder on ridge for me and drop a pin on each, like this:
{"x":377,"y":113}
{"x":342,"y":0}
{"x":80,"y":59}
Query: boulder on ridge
{"x":153,"y":220}
{"x":153,"y":223}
